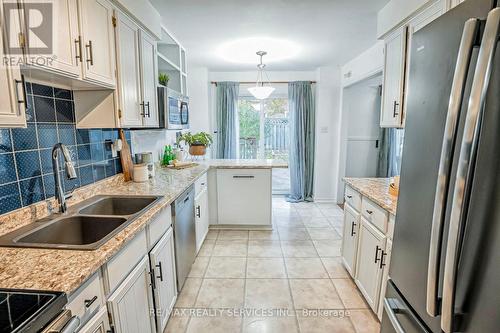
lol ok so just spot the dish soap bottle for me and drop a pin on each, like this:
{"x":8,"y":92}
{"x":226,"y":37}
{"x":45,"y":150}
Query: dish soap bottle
{"x":167,"y":155}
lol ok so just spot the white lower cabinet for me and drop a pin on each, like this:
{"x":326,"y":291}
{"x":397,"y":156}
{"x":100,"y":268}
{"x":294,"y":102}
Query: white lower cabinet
{"x":350,"y":239}
{"x":244,"y":196}
{"x":163,"y":273}
{"x":385,"y":278}
{"x":131,"y":305}
{"x":201,"y":217}
{"x":370,"y":262}
{"x":98,"y":324}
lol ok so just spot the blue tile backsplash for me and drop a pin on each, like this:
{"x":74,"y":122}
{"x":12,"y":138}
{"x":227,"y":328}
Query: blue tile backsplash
{"x":26,"y":175}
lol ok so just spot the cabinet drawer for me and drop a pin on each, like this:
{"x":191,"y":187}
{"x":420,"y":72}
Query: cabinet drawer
{"x":353,"y":198}
{"x":200,"y":184}
{"x":124,"y":261}
{"x":159,"y":225}
{"x":244,"y":196}
{"x":374,"y":214}
{"x":87,"y":299}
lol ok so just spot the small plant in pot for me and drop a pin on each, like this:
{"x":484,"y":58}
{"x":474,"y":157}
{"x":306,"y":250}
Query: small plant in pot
{"x":197,"y":143}
{"x":163,"y":79}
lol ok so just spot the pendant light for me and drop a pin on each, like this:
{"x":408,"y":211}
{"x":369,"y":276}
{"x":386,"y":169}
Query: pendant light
{"x":260,"y":91}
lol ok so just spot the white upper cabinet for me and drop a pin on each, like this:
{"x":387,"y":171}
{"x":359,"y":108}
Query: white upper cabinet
{"x":397,"y":62}
{"x":12,"y":103}
{"x":129,"y":80}
{"x":96,"y":24}
{"x":66,"y":48}
{"x":394,"y":79}
{"x":149,"y":74}
{"x":137,"y":72}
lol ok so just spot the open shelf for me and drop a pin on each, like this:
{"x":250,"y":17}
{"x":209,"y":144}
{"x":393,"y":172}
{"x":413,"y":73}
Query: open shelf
{"x":172,"y":61}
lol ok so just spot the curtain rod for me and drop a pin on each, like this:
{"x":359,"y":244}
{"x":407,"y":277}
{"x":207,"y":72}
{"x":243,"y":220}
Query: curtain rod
{"x":272,"y":82}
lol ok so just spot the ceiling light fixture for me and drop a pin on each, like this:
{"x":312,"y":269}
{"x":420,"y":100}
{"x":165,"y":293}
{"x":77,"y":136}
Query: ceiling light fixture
{"x":260,"y":91}
{"x":242,"y":50}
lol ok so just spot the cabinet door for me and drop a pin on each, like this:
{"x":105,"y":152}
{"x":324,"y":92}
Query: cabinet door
{"x":394,"y":74}
{"x":350,"y":239}
{"x":385,"y":277}
{"x":131,"y":303}
{"x":368,"y":270}
{"x":98,"y":324}
{"x":165,"y":290}
{"x":202,"y":217}
{"x":12,"y":105}
{"x":129,"y":72}
{"x":244,"y":196}
{"x":66,"y":46}
{"x":148,"y":75}
{"x":96,"y":24}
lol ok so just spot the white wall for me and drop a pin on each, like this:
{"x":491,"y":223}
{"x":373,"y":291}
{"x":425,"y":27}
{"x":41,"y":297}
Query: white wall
{"x":198,"y":90}
{"x":327,"y":133}
{"x":152,"y":141}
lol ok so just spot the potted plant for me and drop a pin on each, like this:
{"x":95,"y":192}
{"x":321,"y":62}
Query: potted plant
{"x":197,"y":143}
{"x":163,"y":79}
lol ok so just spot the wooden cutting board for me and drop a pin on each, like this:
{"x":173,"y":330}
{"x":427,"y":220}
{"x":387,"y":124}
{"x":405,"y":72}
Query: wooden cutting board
{"x":126,"y":158}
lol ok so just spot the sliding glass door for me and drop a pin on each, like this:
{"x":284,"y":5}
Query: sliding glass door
{"x":264,"y":134}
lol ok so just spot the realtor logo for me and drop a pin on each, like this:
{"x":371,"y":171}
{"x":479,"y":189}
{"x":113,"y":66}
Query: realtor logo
{"x":36,"y":20}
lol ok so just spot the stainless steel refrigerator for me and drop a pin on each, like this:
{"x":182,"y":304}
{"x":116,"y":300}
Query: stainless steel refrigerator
{"x":445,"y":266}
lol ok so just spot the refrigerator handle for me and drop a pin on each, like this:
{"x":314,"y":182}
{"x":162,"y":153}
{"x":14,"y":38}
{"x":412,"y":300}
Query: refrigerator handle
{"x":468,"y":151}
{"x":454,"y":106}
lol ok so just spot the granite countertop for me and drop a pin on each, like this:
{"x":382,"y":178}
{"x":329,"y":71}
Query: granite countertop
{"x":66,"y":270}
{"x":245,"y":164}
{"x":377,"y":190}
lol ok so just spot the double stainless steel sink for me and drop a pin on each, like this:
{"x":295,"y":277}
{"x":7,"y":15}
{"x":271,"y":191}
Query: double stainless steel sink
{"x":85,"y":226}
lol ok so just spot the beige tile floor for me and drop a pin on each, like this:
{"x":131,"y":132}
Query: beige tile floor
{"x":287,"y":280}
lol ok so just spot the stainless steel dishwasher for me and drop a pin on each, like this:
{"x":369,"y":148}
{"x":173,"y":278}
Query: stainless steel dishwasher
{"x":184,"y":234}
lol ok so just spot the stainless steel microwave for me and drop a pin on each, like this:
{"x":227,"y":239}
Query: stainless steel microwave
{"x":173,"y":109}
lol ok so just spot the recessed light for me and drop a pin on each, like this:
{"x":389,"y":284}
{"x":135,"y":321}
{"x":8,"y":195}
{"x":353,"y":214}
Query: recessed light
{"x":243,"y":50}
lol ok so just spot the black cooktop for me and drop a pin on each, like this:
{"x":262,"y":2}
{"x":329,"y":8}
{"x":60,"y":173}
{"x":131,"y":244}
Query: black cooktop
{"x":28,"y":311}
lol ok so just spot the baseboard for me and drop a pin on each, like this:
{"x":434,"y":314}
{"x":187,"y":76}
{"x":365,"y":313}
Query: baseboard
{"x":325,"y":200}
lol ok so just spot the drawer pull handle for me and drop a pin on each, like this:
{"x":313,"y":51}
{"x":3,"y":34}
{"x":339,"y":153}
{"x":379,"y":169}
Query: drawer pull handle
{"x":349,"y":196}
{"x":198,"y":211}
{"x":353,"y":224}
{"x":369,"y":211}
{"x":161,"y":271}
{"x":244,"y":177}
{"x":89,"y":302}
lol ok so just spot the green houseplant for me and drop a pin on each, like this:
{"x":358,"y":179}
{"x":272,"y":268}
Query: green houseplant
{"x":163,"y":79}
{"x":197,"y":143}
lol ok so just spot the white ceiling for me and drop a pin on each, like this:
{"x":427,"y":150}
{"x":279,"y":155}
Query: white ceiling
{"x":328,"y":32}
